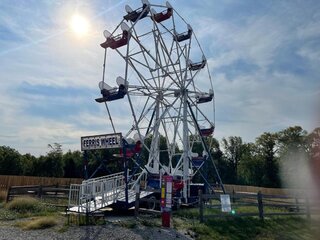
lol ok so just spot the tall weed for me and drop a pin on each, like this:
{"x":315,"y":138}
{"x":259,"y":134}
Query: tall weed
{"x":24,"y":205}
{"x":38,"y":223}
{"x":3,"y":195}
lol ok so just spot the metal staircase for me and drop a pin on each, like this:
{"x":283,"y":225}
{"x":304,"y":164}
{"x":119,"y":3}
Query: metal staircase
{"x":96,"y":193}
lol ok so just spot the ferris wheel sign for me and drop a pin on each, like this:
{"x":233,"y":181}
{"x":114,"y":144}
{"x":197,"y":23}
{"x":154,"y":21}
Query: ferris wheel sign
{"x":104,"y":141}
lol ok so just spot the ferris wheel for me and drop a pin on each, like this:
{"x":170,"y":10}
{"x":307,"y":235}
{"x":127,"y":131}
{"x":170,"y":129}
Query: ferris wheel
{"x":163,"y":85}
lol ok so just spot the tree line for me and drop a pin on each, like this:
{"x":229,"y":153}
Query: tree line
{"x":259,"y":163}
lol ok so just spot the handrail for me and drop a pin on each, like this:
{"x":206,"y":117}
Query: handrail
{"x":96,"y":193}
{"x":104,"y":177}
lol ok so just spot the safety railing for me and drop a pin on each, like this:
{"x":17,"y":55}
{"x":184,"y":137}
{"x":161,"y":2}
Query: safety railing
{"x":95,"y":193}
{"x":74,"y":199}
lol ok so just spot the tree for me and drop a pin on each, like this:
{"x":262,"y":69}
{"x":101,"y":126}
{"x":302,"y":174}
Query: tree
{"x":232,"y":154}
{"x":266,"y":148}
{"x":28,"y":163}
{"x":102,"y":161}
{"x":314,"y":143}
{"x":251,"y":166}
{"x":73,"y":164}
{"x":294,"y":157}
{"x":313,"y":140}
{"x":52,"y":164}
{"x":9,"y":161}
{"x":292,"y":139}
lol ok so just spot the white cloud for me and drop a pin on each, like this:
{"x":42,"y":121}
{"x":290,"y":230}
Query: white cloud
{"x":309,"y":30}
{"x":311,"y":54}
{"x":257,"y":41}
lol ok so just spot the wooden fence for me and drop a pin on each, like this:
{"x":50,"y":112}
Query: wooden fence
{"x":7,"y":181}
{"x":261,"y":205}
{"x":253,"y":189}
{"x":56,"y":192}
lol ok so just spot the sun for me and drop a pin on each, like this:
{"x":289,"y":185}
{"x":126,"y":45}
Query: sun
{"x":79,"y":25}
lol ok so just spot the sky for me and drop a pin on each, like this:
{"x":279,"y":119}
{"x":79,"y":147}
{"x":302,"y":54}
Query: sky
{"x":263,"y":56}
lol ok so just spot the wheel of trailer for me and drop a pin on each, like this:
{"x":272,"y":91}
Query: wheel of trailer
{"x":164,"y":85}
{"x":152,"y":203}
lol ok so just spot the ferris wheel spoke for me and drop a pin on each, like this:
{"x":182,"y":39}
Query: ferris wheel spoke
{"x":167,"y":56}
{"x":140,"y":76}
{"x":145,"y":59}
{"x":155,"y":60}
{"x":163,"y":114}
{"x":170,"y":52}
{"x":166,"y":63}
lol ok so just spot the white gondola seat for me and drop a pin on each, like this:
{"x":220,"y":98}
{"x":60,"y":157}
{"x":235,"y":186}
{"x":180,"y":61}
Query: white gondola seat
{"x":206,"y":97}
{"x":205,"y":132}
{"x":117,"y":41}
{"x":162,"y":16}
{"x":183,"y":36}
{"x":111,"y":94}
{"x":198,"y":65}
{"x":134,"y":15}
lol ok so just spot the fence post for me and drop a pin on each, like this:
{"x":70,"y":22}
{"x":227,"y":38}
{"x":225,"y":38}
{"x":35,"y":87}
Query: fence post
{"x":297,"y":203}
{"x":8,"y":194}
{"x":260,"y":205}
{"x":57,"y":186}
{"x":201,"y":205}
{"x":40,"y":191}
{"x":308,"y":208}
{"x":137,"y":202}
{"x":233,"y":196}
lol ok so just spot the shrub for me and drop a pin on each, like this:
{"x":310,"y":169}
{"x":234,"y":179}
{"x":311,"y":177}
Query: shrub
{"x":23,"y":205}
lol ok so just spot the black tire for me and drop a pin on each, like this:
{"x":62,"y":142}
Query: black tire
{"x":152,"y":203}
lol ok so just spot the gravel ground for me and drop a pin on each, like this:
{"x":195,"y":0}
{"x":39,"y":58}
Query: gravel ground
{"x":108,"y":231}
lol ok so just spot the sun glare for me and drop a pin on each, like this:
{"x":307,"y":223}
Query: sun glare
{"x":79,"y":25}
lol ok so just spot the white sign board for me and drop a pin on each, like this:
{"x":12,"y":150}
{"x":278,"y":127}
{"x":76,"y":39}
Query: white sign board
{"x":169,"y":194}
{"x":225,"y":203}
{"x":104,"y":141}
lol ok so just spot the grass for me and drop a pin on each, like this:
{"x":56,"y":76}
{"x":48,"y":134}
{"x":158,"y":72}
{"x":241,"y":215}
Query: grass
{"x":40,"y":216}
{"x":25,"y":207}
{"x":150,"y":222}
{"x":37,"y":223}
{"x":254,"y":228}
{"x":188,"y":213}
{"x":237,"y":228}
{"x":128,"y":224}
{"x":31,"y":213}
{"x":6,"y":215}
